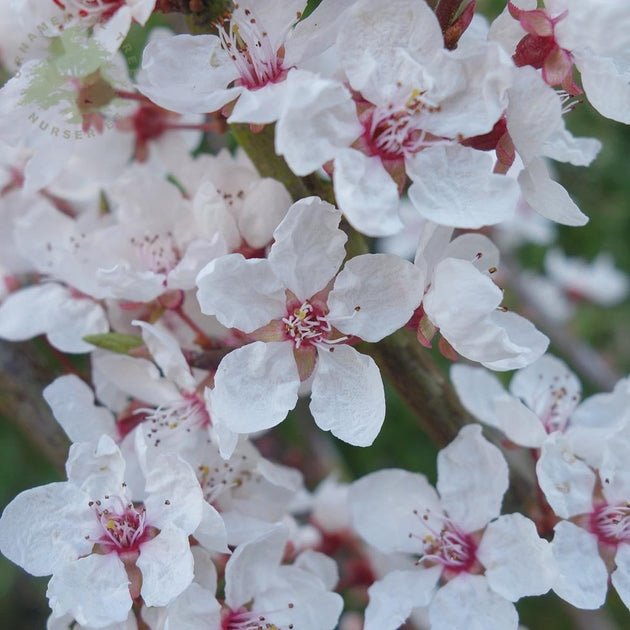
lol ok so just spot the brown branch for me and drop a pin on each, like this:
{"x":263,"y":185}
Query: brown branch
{"x":23,"y":375}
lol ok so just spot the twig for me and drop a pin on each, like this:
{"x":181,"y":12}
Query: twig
{"x":23,"y":375}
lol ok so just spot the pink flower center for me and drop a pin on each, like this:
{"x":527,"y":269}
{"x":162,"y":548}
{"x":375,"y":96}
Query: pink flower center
{"x":449,"y":546}
{"x":611,"y":523}
{"x":250,"y":48}
{"x":306,"y":325}
{"x":96,"y":10}
{"x":180,"y":416}
{"x":123,"y":525}
{"x":554,"y":403}
{"x":243,"y":619}
{"x":218,"y":478}
{"x":157,"y":252}
{"x":395,"y":131}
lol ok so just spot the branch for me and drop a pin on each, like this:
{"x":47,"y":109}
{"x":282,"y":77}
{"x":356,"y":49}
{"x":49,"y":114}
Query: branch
{"x":23,"y":375}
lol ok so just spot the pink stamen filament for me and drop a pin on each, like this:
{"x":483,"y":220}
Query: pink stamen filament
{"x":450,"y":546}
{"x":243,"y":619}
{"x":396,"y":130}
{"x":250,"y":49}
{"x":305,"y":326}
{"x":158,"y":252}
{"x":611,"y":523}
{"x":184,"y":414}
{"x":123,"y":525}
{"x":218,"y":480}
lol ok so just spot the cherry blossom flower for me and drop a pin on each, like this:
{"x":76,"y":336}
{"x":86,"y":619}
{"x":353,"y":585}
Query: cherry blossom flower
{"x":99,"y":546}
{"x":583,"y":34}
{"x":599,"y":281}
{"x":595,"y":542}
{"x":463,"y":303}
{"x":471,"y":554}
{"x":302,"y":325}
{"x":109,"y":20}
{"x":247,"y":60}
{"x":543,"y":399}
{"x":259,"y":589}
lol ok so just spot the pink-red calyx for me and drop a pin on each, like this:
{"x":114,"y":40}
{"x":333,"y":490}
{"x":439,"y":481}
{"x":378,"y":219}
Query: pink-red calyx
{"x":540,"y":49}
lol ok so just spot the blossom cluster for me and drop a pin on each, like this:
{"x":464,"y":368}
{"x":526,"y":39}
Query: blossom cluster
{"x":211,"y":296}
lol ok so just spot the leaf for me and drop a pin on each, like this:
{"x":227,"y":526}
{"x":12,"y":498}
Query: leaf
{"x":116,"y":342}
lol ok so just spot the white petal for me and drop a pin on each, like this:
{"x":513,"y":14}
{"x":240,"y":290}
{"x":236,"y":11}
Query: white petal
{"x":366,"y":44}
{"x":462,"y":302}
{"x":366,"y":193}
{"x":614,"y":470}
{"x":174,"y":494}
{"x":475,"y":247}
{"x":348,"y":398}
{"x":520,"y":425}
{"x":468,"y":603}
{"x":167,"y":566}
{"x":255,"y":386}
{"x":257,"y":227}
{"x":321,"y":565}
{"x":548,"y":388}
{"x":44,"y":527}
{"x":518,"y":338}
{"x":97,"y":469}
{"x":319,"y":119}
{"x":72,"y":404}
{"x":548,"y":197}
{"x":195,"y":608}
{"x":582,"y":578}
{"x":472,"y":479}
{"x":607,"y":88}
{"x":518,"y":562}
{"x":80,"y":588}
{"x":596,"y":419}
{"x":374,"y":295}
{"x":388,"y":506}
{"x":196,"y":256}
{"x":260,"y":106}
{"x":137,"y":377}
{"x":167,"y":353}
{"x":241,"y":293}
{"x":50,"y":308}
{"x":483,"y":395}
{"x":478,"y":390}
{"x":308,"y":247}
{"x":454,"y":185}
{"x":533,"y":113}
{"x":248,"y":570}
{"x":394,"y":597}
{"x":567,"y":481}
{"x":621,"y":575}
{"x":211,"y":532}
{"x":188,"y":74}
